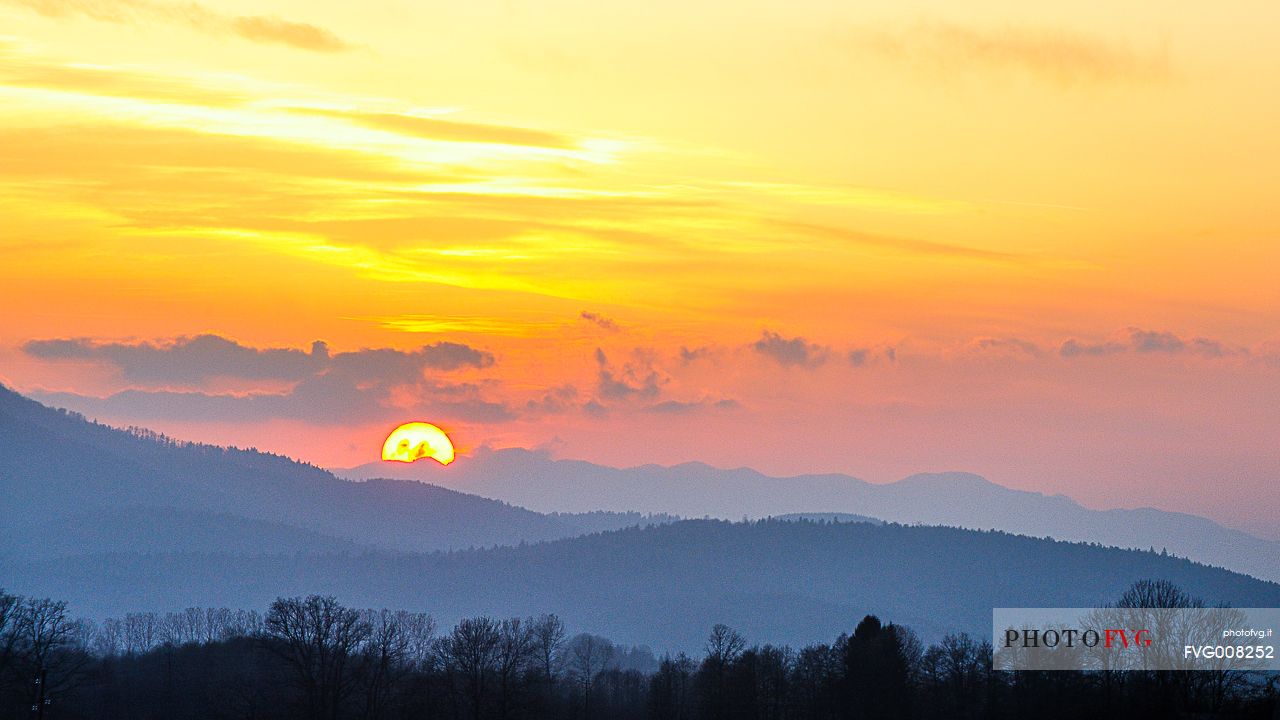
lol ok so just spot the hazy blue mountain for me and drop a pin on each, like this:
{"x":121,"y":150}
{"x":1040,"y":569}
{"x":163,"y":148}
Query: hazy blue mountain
{"x":71,"y":486}
{"x":602,"y":521}
{"x":828,"y":517}
{"x":158,"y":530}
{"x":535,"y":481}
{"x":117,"y":521}
{"x":665,"y":585}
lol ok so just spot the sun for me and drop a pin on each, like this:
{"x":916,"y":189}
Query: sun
{"x":416,"y":440}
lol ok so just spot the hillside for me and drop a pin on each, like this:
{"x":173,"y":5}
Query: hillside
{"x":536,"y":481}
{"x":794,"y":582}
{"x":73,"y":486}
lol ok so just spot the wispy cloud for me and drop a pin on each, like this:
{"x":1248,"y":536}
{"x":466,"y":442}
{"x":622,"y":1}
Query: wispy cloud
{"x":271,"y":29}
{"x":1061,"y":56}
{"x":901,"y":244}
{"x":600,"y":321}
{"x":680,"y":407}
{"x":450,"y":130}
{"x":22,"y":70}
{"x":257,"y":28}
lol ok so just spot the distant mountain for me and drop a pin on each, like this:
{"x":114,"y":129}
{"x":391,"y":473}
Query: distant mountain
{"x":159,"y":530}
{"x":116,"y":521}
{"x":664,"y":586}
{"x":535,"y":481}
{"x":71,"y":486}
{"x":828,"y":517}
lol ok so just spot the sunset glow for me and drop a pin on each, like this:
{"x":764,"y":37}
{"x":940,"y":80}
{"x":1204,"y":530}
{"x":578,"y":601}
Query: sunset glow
{"x":1036,"y":243}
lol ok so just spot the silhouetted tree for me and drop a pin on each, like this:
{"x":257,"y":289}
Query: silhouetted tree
{"x":954,"y":676}
{"x":548,"y":637}
{"x":384,"y":659}
{"x":670,"y":688}
{"x":470,"y":657}
{"x":8,"y":635}
{"x":589,"y":655}
{"x":723,"y":646}
{"x":515,"y":662}
{"x":818,"y":680}
{"x":877,"y":676}
{"x":484,"y":669}
{"x":319,"y":639}
{"x":47,"y":657}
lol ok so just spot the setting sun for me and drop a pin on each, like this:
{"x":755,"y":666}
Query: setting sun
{"x":417,"y":440}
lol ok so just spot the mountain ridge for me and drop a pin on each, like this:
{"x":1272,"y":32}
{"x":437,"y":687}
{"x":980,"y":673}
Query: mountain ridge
{"x":534,"y":480}
{"x":665,"y":585}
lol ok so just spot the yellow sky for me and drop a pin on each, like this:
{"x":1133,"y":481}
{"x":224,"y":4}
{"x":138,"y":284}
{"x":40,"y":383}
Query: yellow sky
{"x":915,"y":176}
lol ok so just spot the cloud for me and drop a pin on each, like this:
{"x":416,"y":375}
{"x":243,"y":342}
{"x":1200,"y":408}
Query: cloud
{"x":554,"y":401}
{"x":1077,"y":348}
{"x":271,"y":29}
{"x":1004,"y":346}
{"x":688,"y":355}
{"x":638,"y":380}
{"x":1060,"y":56}
{"x":1138,"y":340}
{"x":600,"y":321}
{"x":321,"y":401}
{"x":27,"y":71}
{"x":187,"y":360}
{"x":1214,"y":349}
{"x":678,"y":407}
{"x":322,"y":386}
{"x":595,"y":409}
{"x":257,"y":28}
{"x":449,"y":130}
{"x":790,"y":352}
{"x":860,"y":357}
{"x":1150,"y":341}
{"x":901,"y":244}
{"x":198,"y":359}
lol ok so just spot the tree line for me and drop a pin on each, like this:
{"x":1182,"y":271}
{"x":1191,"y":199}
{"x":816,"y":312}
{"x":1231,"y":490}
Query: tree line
{"x":316,"y":659}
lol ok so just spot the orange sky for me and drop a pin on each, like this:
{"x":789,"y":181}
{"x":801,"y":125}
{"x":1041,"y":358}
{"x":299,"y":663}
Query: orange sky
{"x":1032,"y":240}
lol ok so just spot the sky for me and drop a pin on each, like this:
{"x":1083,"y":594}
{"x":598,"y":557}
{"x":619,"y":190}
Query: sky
{"x":1036,"y":241}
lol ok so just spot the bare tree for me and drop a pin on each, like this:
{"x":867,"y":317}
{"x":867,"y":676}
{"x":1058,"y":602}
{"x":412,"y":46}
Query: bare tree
{"x":141,"y":632}
{"x":1157,"y":594}
{"x":9,"y":606}
{"x":548,"y":636}
{"x":470,"y":657}
{"x":47,"y":655}
{"x":589,"y":655}
{"x":420,"y":633}
{"x":515,"y":658}
{"x":669,"y":688}
{"x":216,"y":623}
{"x":110,"y":638}
{"x":319,"y":639}
{"x":385,"y":656}
{"x":244,"y":623}
{"x":724,"y":644}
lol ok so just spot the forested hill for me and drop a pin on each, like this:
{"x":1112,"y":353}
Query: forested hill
{"x":72,"y":486}
{"x":536,"y":481}
{"x":789,"y":581}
